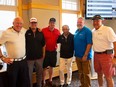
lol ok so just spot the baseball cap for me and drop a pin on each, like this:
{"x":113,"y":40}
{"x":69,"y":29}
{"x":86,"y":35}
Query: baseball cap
{"x":97,"y":17}
{"x":52,"y":20}
{"x":33,"y":20}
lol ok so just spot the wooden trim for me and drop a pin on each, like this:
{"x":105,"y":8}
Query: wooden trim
{"x":20,"y":10}
{"x":8,"y":8}
{"x":40,"y":6}
{"x":81,"y":7}
{"x":60,"y":11}
{"x":25,"y":7}
{"x":71,"y":11}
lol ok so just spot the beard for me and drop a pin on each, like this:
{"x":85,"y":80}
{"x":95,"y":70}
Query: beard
{"x":79,"y":26}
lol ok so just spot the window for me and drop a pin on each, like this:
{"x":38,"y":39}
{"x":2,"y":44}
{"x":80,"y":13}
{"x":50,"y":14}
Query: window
{"x":8,"y":2}
{"x":70,"y":4}
{"x":6,"y":19}
{"x":8,"y":10}
{"x":70,"y":20}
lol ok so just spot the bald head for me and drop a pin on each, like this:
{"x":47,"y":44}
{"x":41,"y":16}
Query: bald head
{"x":17,"y":24}
{"x":18,"y":19}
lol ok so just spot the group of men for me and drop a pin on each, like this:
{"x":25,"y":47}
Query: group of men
{"x":36,"y":49}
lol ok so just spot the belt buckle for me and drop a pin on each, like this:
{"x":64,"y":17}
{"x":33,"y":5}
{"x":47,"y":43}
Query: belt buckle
{"x":19,"y":59}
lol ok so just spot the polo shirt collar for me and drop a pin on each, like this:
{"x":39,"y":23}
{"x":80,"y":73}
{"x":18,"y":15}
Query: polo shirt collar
{"x":67,"y":35}
{"x":32,"y":31}
{"x":49,"y":29}
{"x":21,"y":31}
{"x":81,"y":29}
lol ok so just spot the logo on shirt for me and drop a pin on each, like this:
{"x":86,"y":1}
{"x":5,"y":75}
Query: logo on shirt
{"x":81,"y":34}
{"x":29,"y":33}
{"x":62,"y":38}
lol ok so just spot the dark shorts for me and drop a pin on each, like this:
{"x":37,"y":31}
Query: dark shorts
{"x":50,"y":59}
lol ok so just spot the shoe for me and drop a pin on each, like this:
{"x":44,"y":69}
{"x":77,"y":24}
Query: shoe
{"x":61,"y":85}
{"x":50,"y":83}
{"x":43,"y":84}
{"x":68,"y":85}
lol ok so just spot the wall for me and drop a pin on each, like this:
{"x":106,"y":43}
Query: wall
{"x":48,"y":2}
{"x":43,"y":10}
{"x":110,"y":23}
{"x":43,"y":16}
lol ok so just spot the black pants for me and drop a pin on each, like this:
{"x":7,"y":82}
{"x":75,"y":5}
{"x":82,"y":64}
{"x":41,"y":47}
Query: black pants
{"x":3,"y":79}
{"x":18,"y":75}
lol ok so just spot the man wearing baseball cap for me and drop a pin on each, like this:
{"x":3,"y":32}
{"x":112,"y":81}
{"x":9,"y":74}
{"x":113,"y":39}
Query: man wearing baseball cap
{"x":51,"y":35}
{"x":104,"y":43}
{"x":35,"y":51}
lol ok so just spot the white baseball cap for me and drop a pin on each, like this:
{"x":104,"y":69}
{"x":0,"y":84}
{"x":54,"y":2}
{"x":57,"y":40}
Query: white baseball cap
{"x":33,"y":19}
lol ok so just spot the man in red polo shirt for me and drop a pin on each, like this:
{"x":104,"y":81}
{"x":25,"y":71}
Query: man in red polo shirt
{"x":51,"y":35}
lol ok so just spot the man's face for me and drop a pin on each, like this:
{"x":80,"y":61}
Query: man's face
{"x":80,"y":23}
{"x":65,"y":29}
{"x":17,"y":24}
{"x":97,"y":23}
{"x":33,"y":25}
{"x":52,"y":25}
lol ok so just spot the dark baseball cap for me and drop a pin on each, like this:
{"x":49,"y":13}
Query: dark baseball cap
{"x":97,"y":17}
{"x":52,"y":20}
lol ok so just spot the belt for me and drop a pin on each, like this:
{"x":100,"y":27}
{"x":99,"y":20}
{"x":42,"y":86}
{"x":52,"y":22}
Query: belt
{"x":104,"y":52}
{"x":19,"y":59}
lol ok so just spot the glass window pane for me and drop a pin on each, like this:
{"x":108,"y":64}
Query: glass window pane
{"x":70,"y":20}
{"x":8,"y":2}
{"x":70,"y":4}
{"x":6,"y":19}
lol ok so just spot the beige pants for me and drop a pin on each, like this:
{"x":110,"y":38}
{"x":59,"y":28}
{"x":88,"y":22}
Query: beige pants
{"x":84,"y":72}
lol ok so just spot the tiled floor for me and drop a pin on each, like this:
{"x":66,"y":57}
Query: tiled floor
{"x":76,"y":83}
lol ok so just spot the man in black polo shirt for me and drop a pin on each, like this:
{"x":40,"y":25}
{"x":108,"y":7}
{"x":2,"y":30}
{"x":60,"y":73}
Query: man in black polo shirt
{"x":35,"y":51}
{"x":66,"y":54}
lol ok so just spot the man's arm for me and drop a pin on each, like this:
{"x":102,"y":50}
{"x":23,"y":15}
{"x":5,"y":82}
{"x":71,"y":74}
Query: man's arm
{"x":1,"y":56}
{"x":114,"y":43}
{"x":86,"y":52}
{"x":114,"y":59}
{"x":4,"y":59}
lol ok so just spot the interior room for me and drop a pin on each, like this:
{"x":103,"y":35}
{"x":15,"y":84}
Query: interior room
{"x":66,"y":12}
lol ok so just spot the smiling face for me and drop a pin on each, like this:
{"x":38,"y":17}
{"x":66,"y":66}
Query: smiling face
{"x":65,"y":29}
{"x":80,"y":23}
{"x":33,"y":25}
{"x":17,"y":24}
{"x":51,"y":25}
{"x":97,"y":23}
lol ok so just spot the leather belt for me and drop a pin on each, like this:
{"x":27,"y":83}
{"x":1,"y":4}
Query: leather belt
{"x":19,"y":59}
{"x":104,"y":52}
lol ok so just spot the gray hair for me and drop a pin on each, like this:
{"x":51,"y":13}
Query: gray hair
{"x":81,"y":18}
{"x":66,"y":26}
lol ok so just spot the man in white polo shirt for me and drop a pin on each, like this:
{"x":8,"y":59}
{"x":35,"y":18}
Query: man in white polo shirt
{"x":104,"y":43}
{"x":14,"y":40}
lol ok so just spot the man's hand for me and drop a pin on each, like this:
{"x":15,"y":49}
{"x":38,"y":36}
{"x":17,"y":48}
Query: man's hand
{"x":7,"y":60}
{"x":39,"y":30}
{"x":114,"y":62}
{"x":84,"y":58}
